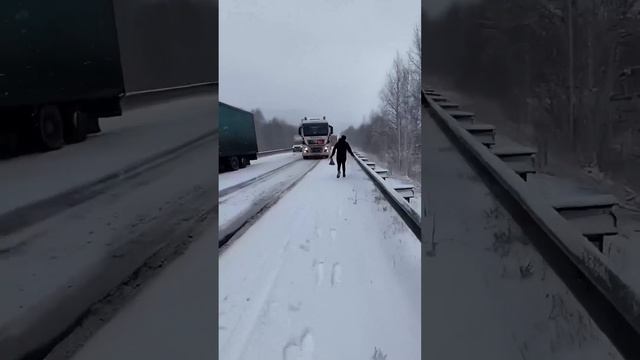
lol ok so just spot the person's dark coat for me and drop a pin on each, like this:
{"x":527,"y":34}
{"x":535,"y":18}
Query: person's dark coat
{"x":341,"y":148}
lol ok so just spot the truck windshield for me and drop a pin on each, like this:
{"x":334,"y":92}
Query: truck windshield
{"x":315,"y":129}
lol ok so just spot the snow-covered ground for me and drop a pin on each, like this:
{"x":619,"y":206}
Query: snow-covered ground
{"x":329,"y":272}
{"x":257,"y":168}
{"x":58,"y":267}
{"x":138,"y":134}
{"x":172,"y":318}
{"x":238,"y":206}
{"x":488,"y":292}
{"x":323,"y":274}
{"x":416,"y":201}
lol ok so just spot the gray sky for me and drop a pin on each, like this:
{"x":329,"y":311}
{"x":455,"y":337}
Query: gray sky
{"x":293,"y":58}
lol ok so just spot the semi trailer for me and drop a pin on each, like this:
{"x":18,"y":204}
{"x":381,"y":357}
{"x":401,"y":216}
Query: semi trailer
{"x":238,"y":142}
{"x":66,"y":64}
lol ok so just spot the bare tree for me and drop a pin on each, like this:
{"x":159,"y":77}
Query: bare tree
{"x":393,"y":132}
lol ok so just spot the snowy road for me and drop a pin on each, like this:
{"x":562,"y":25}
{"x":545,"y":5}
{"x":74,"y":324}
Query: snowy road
{"x":136,"y":135}
{"x":239,"y":206}
{"x":329,"y":272}
{"x":490,"y":295}
{"x":332,"y":274}
{"x":258,"y":167}
{"x":174,"y":317}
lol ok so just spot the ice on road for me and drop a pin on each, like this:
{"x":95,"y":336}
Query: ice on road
{"x":258,"y":167}
{"x":329,"y":272}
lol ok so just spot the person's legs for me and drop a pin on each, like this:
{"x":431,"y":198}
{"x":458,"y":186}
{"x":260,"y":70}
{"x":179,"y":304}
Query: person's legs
{"x":338,"y":169}
{"x":344,"y":168}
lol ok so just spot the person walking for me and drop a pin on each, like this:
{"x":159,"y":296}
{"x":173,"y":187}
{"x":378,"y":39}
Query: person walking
{"x":341,"y":148}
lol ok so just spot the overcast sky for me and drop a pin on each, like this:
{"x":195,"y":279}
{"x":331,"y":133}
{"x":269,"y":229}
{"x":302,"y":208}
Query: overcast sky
{"x":296,"y":58}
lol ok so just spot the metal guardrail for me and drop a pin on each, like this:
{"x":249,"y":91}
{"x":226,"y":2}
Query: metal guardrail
{"x":615,"y":303}
{"x":408,"y":214}
{"x":143,"y":98}
{"x":169,"y":89}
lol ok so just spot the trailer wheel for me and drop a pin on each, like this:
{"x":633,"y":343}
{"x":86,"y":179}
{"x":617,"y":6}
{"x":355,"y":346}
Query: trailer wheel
{"x":75,"y":126}
{"x":234,"y":163}
{"x":49,"y":128}
{"x":243,"y":162}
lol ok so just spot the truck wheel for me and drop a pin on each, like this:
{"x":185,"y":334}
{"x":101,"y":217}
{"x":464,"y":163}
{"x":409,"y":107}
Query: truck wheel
{"x":75,"y":126}
{"x":234,"y":163}
{"x":49,"y":128}
{"x":243,"y":162}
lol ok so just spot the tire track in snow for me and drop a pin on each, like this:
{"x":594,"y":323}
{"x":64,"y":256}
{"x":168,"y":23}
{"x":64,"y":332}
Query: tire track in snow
{"x":244,"y":327}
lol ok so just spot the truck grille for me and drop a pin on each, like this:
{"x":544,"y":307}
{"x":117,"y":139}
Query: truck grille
{"x":316,"y":150}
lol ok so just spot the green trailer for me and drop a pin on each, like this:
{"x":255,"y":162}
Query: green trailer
{"x":238,"y":143}
{"x":59,"y":70}
{"x":65,"y":64}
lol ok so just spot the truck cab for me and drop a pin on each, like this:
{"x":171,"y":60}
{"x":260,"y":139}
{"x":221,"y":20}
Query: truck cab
{"x":316,"y":137}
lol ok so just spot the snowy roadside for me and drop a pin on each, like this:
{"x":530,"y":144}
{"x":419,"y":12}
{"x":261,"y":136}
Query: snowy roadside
{"x":623,"y":249}
{"x":490,"y":289}
{"x":416,"y":201}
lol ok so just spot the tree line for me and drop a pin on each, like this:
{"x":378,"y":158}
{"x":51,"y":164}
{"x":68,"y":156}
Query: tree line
{"x":273,"y":134}
{"x":392,"y":132}
{"x":554,"y":66}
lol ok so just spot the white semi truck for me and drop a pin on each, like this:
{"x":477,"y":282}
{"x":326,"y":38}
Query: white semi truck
{"x":316,"y":137}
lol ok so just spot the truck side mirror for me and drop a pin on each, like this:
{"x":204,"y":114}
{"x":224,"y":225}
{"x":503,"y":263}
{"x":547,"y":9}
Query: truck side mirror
{"x":330,"y":130}
{"x":300,"y":131}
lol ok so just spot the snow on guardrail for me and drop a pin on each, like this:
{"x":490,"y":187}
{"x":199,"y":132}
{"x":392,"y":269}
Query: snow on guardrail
{"x":593,"y":264}
{"x":397,"y":200}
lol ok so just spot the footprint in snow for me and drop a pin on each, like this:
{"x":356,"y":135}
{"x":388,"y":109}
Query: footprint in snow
{"x":378,"y":355}
{"x":334,"y":232}
{"x":295,"y":307}
{"x":336,"y":274}
{"x":299,"y":349}
{"x":319,"y":267}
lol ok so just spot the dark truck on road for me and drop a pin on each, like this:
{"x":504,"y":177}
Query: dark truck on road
{"x":238,"y":143}
{"x":66,"y":64}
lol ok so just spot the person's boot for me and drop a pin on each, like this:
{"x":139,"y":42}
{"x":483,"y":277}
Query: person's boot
{"x":344,"y":175}
{"x":338,"y":176}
